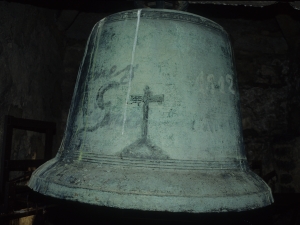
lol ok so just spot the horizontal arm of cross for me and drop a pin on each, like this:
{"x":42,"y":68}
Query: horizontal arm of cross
{"x":136,"y":98}
{"x":140,"y":98}
{"x":156,"y":98}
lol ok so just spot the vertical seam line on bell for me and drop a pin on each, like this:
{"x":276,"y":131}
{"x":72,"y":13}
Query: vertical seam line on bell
{"x":131,"y":68}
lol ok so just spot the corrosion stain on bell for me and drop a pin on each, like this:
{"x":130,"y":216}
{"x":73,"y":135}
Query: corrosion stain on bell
{"x":154,"y":122}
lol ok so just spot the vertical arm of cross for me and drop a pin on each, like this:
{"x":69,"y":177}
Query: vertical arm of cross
{"x":146,"y":99}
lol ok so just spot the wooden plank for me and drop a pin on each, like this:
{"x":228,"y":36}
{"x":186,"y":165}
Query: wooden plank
{"x":32,"y":125}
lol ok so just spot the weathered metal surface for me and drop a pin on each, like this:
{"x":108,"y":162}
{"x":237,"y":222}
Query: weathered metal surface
{"x":294,"y":4}
{"x":154,"y":122}
{"x":244,"y":3}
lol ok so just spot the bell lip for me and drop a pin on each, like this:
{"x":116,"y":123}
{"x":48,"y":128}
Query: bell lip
{"x":44,"y":184}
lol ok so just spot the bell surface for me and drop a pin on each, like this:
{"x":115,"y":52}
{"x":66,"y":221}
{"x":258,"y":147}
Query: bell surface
{"x":154,"y":122}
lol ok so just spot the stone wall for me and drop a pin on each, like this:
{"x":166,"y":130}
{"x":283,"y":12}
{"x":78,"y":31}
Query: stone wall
{"x":31,"y":59}
{"x":40,"y":63}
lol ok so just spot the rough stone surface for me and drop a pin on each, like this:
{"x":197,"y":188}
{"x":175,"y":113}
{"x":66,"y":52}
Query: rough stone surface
{"x":286,"y":178}
{"x":31,"y":71}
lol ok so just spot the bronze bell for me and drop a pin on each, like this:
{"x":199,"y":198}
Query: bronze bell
{"x":154,"y":122}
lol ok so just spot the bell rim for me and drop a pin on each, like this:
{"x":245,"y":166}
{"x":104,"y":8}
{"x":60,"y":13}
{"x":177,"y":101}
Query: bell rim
{"x":47,"y":185}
